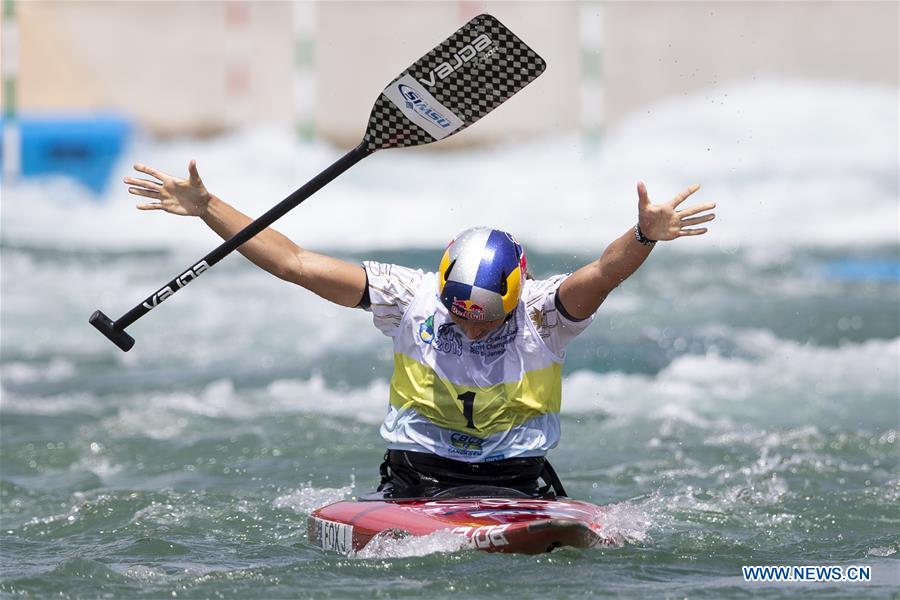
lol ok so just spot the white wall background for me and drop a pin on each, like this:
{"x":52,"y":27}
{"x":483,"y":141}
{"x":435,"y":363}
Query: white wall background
{"x":197,"y":68}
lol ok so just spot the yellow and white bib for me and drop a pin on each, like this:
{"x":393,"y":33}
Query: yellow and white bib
{"x":488,"y":399}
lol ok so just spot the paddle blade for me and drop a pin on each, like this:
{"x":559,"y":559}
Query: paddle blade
{"x":471,"y":73}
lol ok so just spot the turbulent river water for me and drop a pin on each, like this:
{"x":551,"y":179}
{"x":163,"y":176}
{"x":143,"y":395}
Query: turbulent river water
{"x":734,"y":403}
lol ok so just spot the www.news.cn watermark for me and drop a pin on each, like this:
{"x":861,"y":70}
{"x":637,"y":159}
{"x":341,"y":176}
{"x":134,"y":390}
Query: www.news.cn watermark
{"x":815,"y":573}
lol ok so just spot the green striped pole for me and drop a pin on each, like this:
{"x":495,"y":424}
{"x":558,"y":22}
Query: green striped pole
{"x":591,"y":42}
{"x":304,"y":69}
{"x":10,"y":71}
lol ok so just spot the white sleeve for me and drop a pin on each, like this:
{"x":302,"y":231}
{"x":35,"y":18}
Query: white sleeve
{"x":553,"y":326}
{"x":391,"y":290}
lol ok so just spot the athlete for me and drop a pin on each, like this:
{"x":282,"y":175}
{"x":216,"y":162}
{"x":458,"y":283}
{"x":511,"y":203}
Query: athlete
{"x":478,"y":346}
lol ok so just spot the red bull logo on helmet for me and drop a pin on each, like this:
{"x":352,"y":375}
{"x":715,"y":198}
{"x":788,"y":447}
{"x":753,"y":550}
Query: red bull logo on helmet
{"x":468,"y":310}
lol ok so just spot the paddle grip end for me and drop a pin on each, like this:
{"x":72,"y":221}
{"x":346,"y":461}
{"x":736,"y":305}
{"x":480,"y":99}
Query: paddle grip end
{"x":106,"y":326}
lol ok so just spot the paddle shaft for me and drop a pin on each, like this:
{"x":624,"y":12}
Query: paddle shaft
{"x":476,"y":69}
{"x":233,"y":243}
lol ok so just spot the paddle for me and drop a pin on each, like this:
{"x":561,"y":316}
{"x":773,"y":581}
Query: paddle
{"x":461,"y":80}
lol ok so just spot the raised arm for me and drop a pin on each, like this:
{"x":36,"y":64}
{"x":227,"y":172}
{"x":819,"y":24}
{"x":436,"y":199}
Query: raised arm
{"x":333,"y":279}
{"x":583,"y":293}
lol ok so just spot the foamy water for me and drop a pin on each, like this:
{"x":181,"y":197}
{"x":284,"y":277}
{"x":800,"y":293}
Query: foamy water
{"x":735,"y":402}
{"x":787,"y":162}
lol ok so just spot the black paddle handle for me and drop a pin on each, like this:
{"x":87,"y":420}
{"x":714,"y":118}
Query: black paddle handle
{"x":115,"y":330}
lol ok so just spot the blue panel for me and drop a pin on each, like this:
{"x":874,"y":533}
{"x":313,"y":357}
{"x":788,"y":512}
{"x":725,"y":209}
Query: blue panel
{"x":82,"y":147}
{"x":456,"y":291}
{"x":500,"y":259}
{"x":863,"y":269}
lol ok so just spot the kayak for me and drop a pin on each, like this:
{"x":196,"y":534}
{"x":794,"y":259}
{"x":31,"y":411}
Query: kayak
{"x":484,"y":521}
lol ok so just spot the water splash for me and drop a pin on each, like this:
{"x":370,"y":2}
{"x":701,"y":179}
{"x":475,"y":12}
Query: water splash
{"x":389,"y":544}
{"x":307,"y":499}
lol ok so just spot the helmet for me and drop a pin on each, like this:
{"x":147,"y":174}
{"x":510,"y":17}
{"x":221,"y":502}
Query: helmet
{"x":481,"y":274}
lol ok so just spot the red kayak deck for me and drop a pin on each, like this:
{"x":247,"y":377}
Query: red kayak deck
{"x":528,"y":526}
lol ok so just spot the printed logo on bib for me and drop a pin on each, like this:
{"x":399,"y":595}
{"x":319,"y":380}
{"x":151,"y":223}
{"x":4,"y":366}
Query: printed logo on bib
{"x":426,"y":330}
{"x":495,"y":346}
{"x":448,"y":340}
{"x":466,"y":445}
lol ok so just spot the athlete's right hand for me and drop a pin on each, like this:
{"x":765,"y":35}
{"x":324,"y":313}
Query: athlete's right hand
{"x":187,"y":197}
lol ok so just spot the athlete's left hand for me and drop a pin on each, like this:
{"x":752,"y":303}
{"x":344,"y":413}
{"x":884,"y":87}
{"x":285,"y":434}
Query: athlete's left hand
{"x":664,"y":222}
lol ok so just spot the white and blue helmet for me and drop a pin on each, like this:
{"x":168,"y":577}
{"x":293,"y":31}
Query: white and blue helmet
{"x":481,"y":274}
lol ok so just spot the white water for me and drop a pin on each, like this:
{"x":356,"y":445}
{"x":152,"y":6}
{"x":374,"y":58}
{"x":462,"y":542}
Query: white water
{"x":735,"y":395}
{"x":787,"y":163}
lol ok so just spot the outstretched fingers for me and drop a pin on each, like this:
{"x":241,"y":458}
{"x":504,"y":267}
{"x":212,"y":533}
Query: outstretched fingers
{"x":684,"y":195}
{"x":697,"y":220}
{"x":148,"y":193}
{"x":699,"y":231}
{"x":194,"y":174}
{"x":145,"y":184}
{"x":689,"y":212}
{"x":151,"y":171}
{"x":643,"y":197}
{"x":687,"y":221}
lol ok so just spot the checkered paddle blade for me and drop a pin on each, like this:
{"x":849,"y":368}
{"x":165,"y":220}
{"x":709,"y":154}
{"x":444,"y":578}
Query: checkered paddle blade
{"x":471,"y":73}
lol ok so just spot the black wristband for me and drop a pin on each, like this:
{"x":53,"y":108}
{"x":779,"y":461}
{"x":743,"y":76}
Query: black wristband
{"x":639,"y":236}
